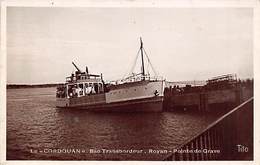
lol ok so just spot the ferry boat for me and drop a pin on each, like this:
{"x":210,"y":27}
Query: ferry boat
{"x":137,"y":92}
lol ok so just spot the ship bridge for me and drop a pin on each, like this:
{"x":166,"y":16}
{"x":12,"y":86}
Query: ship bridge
{"x":80,"y":84}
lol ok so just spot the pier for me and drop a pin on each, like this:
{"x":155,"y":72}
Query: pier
{"x":230,"y":137}
{"x":222,"y":94}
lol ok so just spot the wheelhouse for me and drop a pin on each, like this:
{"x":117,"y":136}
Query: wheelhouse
{"x":81,"y":84}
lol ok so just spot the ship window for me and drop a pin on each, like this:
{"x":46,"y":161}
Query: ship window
{"x":96,"y":87}
{"x":88,"y":88}
{"x":80,"y":90}
{"x":91,"y":89}
{"x":81,"y":86}
{"x":70,"y":90}
{"x":101,"y":90}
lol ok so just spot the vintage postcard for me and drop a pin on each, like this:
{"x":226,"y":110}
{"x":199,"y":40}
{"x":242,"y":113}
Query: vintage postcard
{"x":129,"y":81}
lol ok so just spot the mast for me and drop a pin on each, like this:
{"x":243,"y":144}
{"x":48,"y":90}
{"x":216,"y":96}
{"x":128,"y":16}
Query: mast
{"x":141,"y":48}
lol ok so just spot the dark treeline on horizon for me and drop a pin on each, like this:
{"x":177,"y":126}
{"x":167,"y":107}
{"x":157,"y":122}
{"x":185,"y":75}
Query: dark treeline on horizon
{"x":15,"y":86}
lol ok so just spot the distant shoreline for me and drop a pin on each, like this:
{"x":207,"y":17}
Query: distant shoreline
{"x":17,"y":86}
{"x":196,"y":83}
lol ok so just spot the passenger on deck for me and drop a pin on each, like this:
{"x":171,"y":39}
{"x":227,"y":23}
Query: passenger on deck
{"x":78,"y":91}
{"x":81,"y":91}
{"x":88,"y":90}
{"x":70,"y":91}
{"x":74,"y":91}
{"x":93,"y":90}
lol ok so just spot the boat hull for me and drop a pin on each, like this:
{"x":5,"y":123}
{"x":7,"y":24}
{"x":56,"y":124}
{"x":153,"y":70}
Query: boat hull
{"x":137,"y":96}
{"x":154,"y":104}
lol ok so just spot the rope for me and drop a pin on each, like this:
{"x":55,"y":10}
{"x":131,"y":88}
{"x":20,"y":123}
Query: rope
{"x":133,"y":66}
{"x":147,"y":66}
{"x":135,"y":61}
{"x":150,"y":63}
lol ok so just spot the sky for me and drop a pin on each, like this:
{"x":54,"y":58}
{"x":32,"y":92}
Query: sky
{"x":182,"y":43}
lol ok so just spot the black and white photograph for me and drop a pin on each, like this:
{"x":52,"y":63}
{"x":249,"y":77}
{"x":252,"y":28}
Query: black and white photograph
{"x":128,"y":83}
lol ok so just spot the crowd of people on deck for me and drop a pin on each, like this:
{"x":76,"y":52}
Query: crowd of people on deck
{"x":75,"y":91}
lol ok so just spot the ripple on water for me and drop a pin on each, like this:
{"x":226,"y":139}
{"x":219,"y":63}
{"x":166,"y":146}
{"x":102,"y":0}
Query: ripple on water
{"x":33,"y":122}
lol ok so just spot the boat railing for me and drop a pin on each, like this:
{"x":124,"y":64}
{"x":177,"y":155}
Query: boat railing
{"x":137,"y":77}
{"x":229,"y":78}
{"x":221,"y":139}
{"x":75,"y":78}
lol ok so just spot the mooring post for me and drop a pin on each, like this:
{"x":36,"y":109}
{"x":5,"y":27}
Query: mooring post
{"x":200,"y":148}
{"x":205,"y":146}
{"x":196,"y":156}
{"x":176,"y":156}
{"x":206,"y":102}
{"x":208,"y":143}
{"x":191,"y":148}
